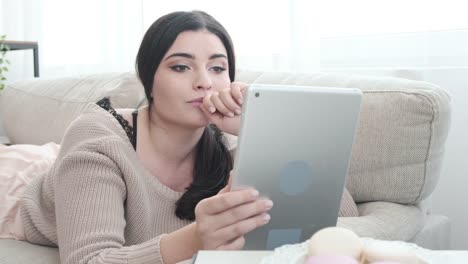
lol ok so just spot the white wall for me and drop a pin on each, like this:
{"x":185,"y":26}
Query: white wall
{"x":16,"y":28}
{"x":1,"y":20}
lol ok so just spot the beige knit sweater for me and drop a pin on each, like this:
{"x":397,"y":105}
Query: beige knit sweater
{"x":98,"y":204}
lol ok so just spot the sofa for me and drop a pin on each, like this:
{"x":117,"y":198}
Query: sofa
{"x":395,"y":164}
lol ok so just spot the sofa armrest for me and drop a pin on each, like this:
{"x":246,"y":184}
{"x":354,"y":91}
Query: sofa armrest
{"x":435,"y":234}
{"x":385,"y":221}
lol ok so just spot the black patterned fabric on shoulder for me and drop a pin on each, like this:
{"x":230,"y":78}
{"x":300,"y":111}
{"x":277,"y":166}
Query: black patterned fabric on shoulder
{"x":106,"y":105}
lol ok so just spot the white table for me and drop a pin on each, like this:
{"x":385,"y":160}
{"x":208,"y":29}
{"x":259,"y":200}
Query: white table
{"x":231,"y":257}
{"x":255,"y":257}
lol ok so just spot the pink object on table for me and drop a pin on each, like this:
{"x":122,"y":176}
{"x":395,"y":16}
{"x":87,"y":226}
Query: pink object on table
{"x":331,"y":259}
{"x":386,"y":262}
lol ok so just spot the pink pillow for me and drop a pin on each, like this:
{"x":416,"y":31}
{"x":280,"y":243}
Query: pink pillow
{"x":20,"y":164}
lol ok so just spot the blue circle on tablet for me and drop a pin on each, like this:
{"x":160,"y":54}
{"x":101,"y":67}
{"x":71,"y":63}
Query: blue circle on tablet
{"x":295,"y":178}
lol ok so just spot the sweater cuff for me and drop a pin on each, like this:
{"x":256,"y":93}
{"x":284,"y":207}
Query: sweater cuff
{"x":147,"y":252}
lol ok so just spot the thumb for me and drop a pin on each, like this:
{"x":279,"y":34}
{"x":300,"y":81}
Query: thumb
{"x":227,"y":188}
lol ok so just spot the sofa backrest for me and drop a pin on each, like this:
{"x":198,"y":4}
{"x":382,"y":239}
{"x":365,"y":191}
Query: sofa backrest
{"x":397,"y":153}
{"x":38,"y":111}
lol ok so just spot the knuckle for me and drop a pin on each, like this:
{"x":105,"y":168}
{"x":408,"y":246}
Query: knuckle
{"x":217,"y":102}
{"x":224,"y":201}
{"x":223,"y":109}
{"x":227,"y":247}
{"x":237,"y":92}
{"x":238,"y":230}
{"x":206,"y":102}
{"x":235,"y":213}
{"x":221,"y":102}
{"x":226,"y":95}
{"x":260,"y":206}
{"x":199,"y":208}
{"x":207,"y":99}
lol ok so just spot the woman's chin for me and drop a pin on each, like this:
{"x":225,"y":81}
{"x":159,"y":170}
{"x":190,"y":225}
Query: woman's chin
{"x":201,"y":121}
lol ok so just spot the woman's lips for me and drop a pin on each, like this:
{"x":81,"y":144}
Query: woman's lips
{"x":196,"y":102}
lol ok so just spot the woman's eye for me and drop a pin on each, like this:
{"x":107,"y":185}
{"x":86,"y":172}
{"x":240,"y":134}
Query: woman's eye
{"x":179,"y":68}
{"x":218,"y":69}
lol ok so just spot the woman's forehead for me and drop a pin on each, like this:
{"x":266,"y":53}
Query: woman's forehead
{"x":201,"y":43}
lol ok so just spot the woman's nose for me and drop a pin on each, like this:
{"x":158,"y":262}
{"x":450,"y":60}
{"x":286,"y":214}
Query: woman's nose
{"x":203,"y":81}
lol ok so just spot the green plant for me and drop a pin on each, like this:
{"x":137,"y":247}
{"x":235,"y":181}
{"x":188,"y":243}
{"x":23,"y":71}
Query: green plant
{"x":3,"y":61}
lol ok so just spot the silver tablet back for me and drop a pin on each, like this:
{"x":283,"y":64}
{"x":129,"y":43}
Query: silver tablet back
{"x":294,"y":147}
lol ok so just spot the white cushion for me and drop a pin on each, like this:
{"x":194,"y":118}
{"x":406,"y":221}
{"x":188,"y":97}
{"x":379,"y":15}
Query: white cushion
{"x":38,"y":111}
{"x":399,"y":145}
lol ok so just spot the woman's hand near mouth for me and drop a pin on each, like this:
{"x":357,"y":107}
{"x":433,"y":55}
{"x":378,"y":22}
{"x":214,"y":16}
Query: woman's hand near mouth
{"x":224,"y":108}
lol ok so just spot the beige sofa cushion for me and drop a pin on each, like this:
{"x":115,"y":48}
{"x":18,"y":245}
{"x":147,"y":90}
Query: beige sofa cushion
{"x":38,"y":111}
{"x":398,"y":149}
{"x":384,"y":220}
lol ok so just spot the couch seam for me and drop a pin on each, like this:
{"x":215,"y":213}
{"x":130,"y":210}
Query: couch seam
{"x":429,"y":145}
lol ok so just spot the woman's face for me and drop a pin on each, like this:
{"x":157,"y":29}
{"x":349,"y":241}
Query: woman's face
{"x":195,"y":65}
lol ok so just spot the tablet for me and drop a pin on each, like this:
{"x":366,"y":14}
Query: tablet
{"x":294,"y":146}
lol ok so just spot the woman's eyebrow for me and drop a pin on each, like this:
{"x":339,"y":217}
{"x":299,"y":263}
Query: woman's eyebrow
{"x":180,"y":54}
{"x":190,"y":56}
{"x":218,"y":55}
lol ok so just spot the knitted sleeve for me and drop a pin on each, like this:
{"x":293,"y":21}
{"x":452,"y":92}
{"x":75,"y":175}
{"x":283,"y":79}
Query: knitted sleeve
{"x":90,"y":213}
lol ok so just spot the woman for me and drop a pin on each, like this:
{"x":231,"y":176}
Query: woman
{"x":151,"y":187}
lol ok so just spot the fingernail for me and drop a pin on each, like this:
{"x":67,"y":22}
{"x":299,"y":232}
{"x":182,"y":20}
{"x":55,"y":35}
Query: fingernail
{"x":268,"y":204}
{"x":266,"y":218}
{"x":238,"y":111}
{"x":255,"y":193}
{"x":212,"y":109}
{"x":241,"y":101}
{"x":231,"y":114}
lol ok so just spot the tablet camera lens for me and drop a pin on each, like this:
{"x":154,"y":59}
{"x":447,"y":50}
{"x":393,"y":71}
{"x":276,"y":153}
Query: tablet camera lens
{"x":257,"y":94}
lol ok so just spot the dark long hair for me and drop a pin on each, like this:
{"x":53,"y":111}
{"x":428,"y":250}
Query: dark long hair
{"x":213,"y":161}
